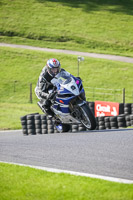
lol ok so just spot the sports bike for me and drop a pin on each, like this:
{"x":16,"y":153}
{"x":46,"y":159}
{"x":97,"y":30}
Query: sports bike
{"x":69,"y":104}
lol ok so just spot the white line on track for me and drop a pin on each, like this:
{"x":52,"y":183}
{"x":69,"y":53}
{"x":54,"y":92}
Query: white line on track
{"x":107,"y":178}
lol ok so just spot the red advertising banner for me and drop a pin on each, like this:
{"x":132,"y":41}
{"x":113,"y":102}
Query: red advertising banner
{"x":103,"y":108}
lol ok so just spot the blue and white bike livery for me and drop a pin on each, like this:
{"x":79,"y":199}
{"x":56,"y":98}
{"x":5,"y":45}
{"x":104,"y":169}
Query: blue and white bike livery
{"x":69,"y":104}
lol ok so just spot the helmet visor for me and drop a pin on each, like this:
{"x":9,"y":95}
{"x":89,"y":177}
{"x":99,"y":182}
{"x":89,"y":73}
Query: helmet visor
{"x":54,"y":71}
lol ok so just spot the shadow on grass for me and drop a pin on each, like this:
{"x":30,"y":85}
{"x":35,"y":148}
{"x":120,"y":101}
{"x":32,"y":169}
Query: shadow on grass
{"x":125,"y":6}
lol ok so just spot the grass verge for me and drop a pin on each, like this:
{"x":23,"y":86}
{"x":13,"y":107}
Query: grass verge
{"x":10,"y":114}
{"x":25,"y":183}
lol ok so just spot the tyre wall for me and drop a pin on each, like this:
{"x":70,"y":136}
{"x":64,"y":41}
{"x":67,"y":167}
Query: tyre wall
{"x":36,"y":123}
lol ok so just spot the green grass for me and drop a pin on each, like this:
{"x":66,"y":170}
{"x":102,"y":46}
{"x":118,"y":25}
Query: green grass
{"x":25,"y":183}
{"x":104,"y":26}
{"x":10,"y":114}
{"x":20,"y":67}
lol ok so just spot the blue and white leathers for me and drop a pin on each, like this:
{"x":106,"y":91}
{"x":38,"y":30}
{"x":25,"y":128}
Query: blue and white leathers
{"x":68,"y":87}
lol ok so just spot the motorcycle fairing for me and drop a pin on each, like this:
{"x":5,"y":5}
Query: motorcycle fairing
{"x":68,"y":87}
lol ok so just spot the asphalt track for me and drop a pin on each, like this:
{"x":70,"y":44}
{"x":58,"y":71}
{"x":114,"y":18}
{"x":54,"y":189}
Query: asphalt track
{"x":103,"y":153}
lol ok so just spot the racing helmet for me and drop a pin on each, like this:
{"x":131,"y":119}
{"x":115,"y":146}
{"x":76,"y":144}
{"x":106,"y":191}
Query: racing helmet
{"x":53,"y":67}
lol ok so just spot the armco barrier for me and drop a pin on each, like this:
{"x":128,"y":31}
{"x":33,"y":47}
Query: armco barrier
{"x":36,"y":123}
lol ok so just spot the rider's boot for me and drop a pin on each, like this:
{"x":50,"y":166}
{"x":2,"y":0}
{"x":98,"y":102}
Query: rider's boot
{"x":62,"y":127}
{"x":59,"y":128}
{"x":58,"y":125}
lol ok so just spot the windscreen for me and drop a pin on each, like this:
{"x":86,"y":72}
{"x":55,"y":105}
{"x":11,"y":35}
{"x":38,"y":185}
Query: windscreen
{"x":62,"y":78}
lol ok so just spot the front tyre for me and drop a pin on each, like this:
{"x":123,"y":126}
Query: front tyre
{"x":87,"y":119}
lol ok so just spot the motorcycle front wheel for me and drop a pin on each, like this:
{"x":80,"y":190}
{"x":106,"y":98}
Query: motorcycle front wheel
{"x":87,"y":119}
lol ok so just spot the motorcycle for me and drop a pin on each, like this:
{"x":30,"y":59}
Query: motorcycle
{"x":69,"y":104}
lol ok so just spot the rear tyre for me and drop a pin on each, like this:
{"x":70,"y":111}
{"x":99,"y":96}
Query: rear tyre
{"x":88,"y":119}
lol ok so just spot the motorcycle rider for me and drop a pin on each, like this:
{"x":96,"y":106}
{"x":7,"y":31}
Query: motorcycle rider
{"x":51,"y":69}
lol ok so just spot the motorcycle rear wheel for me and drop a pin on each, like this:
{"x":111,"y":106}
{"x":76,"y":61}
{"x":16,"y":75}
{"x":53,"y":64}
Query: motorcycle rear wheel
{"x":88,"y":119}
